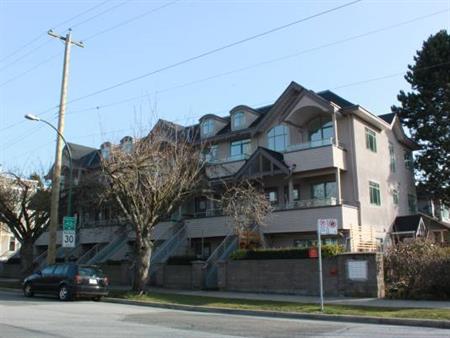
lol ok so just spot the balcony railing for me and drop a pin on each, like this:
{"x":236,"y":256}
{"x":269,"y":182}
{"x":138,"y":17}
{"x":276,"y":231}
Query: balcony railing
{"x":310,"y":144}
{"x":300,"y":204}
{"x":207,"y":213}
{"x":234,"y":158}
{"x":314,"y":203}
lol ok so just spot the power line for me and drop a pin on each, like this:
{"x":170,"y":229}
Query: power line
{"x":99,"y":14}
{"x":130,"y":20}
{"x":278,"y":59}
{"x":88,"y":38}
{"x":64,"y":22}
{"x":18,"y":76}
{"x":215,"y":50}
{"x":351,"y":84}
{"x":97,"y":107}
{"x":389,"y":76}
{"x":79,"y":14}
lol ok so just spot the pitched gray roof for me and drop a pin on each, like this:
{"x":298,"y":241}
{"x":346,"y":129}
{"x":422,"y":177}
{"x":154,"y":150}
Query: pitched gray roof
{"x":387,"y":117}
{"x":336,"y":99}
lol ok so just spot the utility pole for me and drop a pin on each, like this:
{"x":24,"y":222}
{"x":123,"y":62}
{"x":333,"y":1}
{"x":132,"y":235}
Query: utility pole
{"x":56,"y":180}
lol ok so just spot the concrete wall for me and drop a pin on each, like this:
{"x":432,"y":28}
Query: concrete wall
{"x":177,"y":276}
{"x":300,"y":276}
{"x":119,"y":274}
{"x":10,"y":270}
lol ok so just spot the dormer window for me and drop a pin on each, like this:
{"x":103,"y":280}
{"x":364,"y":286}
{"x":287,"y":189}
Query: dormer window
{"x":126,"y":144}
{"x":207,"y":127}
{"x":238,"y":120}
{"x":105,"y":149}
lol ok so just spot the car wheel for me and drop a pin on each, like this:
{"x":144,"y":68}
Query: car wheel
{"x":28,"y":290}
{"x":64,"y":293}
{"x":97,"y":298}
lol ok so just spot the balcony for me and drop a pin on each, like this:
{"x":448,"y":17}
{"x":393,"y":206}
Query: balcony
{"x":283,"y":220}
{"x":314,"y":155}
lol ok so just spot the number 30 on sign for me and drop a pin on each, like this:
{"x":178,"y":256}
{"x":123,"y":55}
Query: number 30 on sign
{"x":68,"y":239}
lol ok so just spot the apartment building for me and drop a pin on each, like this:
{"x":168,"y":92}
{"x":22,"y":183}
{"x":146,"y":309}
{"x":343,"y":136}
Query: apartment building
{"x":317,"y":155}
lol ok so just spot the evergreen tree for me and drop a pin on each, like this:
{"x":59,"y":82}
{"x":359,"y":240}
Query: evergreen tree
{"x":425,"y":110}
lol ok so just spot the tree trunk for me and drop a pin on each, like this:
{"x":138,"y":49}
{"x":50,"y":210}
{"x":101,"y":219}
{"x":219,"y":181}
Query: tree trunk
{"x":26,"y":257}
{"x":143,"y":254}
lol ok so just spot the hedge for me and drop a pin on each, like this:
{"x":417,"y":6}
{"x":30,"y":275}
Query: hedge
{"x":328,"y":250}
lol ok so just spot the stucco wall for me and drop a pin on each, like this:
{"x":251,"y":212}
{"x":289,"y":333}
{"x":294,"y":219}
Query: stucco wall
{"x":374,"y":166}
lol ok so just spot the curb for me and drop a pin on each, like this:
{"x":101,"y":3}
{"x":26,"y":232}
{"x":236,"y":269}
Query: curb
{"x":12,"y":290}
{"x":441,"y":324}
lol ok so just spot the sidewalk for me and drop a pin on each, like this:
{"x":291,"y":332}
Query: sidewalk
{"x":373,"y":302}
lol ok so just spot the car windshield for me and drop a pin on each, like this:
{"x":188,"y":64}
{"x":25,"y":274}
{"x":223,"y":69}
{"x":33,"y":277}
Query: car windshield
{"x":89,"y":271}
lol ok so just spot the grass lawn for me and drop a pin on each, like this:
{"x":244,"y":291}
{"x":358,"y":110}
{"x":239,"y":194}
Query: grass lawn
{"x":246,"y":304}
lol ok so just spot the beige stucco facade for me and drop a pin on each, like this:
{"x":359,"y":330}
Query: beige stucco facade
{"x":311,"y":152}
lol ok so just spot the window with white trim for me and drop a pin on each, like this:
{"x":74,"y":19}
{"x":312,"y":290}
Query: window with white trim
{"x":374,"y":192}
{"x":371,"y":140}
{"x":392,"y":164}
{"x":395,"y":196}
{"x":409,"y":164}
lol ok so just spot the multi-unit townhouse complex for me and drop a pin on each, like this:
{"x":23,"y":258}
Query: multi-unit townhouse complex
{"x":317,"y":155}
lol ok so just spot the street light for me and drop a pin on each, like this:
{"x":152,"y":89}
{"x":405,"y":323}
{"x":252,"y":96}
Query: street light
{"x":32,"y":117}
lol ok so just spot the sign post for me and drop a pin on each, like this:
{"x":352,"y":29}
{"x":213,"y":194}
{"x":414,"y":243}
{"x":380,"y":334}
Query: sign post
{"x":68,"y":236}
{"x":324,"y":227}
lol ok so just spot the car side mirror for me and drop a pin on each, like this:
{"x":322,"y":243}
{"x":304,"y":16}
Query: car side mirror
{"x":39,"y":273}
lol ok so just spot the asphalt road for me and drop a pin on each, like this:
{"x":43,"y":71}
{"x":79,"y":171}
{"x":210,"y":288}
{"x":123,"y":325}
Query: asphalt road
{"x":47,"y":317}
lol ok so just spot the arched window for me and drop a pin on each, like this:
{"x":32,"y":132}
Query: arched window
{"x":320,"y":129}
{"x":278,"y":138}
{"x":238,"y":120}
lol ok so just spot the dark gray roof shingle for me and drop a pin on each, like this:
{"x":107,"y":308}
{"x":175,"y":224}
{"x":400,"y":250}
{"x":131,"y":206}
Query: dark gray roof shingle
{"x":387,"y":117}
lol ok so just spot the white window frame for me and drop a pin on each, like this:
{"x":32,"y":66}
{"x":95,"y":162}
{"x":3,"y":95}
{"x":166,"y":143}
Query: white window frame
{"x":374,"y":185}
{"x":370,"y":134}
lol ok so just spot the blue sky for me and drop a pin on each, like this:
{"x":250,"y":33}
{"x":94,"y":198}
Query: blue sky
{"x":255,"y":73}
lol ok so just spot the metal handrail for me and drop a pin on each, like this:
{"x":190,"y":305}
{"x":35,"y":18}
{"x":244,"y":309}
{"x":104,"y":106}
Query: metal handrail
{"x":104,"y":252}
{"x":166,"y":246}
{"x":90,"y":253}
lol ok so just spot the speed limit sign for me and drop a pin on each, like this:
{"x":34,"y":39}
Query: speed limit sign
{"x":68,"y":235}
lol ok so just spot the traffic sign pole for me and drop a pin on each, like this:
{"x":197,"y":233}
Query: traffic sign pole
{"x":320,"y":265}
{"x":324,"y":227}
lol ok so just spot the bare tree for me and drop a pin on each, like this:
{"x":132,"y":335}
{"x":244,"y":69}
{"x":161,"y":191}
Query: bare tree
{"x":25,"y":210}
{"x":149,"y":182}
{"x":248,"y":209}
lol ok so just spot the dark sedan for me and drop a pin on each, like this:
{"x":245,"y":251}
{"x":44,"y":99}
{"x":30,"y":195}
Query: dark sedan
{"x":68,"y":281}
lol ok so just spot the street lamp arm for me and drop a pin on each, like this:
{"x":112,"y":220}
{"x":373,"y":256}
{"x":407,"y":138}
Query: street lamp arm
{"x":63,"y":138}
{"x":69,"y":152}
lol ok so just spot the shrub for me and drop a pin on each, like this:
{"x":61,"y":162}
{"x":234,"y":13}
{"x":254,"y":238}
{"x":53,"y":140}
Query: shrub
{"x":328,"y":250}
{"x":418,"y":270}
{"x":181,"y":260}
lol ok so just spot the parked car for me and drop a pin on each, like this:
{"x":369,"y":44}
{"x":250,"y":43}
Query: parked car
{"x":68,"y":281}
